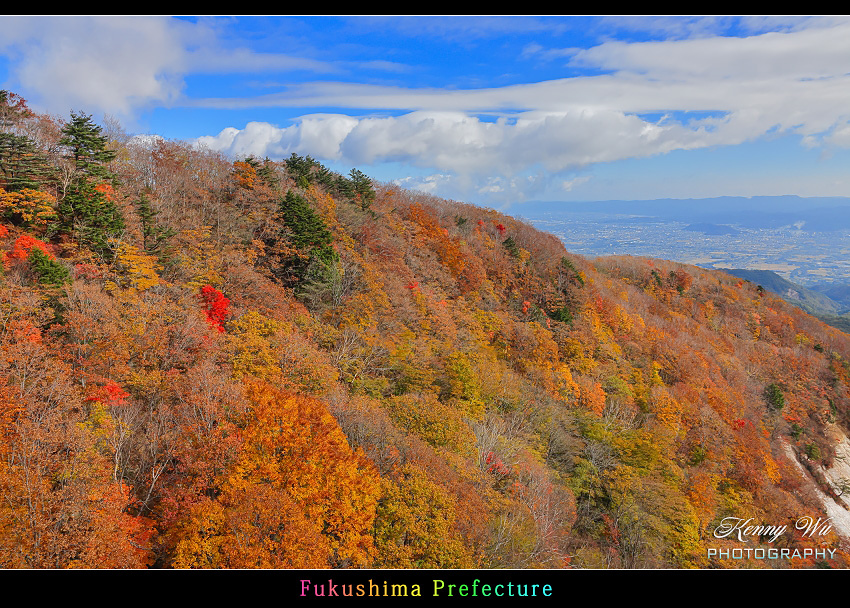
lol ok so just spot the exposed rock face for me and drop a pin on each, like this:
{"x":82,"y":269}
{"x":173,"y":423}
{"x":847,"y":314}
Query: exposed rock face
{"x":836,"y":505}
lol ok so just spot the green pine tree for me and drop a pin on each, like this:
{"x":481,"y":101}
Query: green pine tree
{"x":361,"y":185}
{"x":774,"y":396}
{"x":309,"y":235}
{"x":90,"y":216}
{"x":308,"y":230}
{"x":510,"y":244}
{"x":266,"y":172}
{"x":22,"y":165}
{"x":85,"y":211}
{"x":49,"y":272}
{"x":86,"y":145}
{"x":300,"y":168}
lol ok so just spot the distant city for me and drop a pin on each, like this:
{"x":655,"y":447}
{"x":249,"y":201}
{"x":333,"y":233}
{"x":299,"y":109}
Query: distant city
{"x":806,"y":241}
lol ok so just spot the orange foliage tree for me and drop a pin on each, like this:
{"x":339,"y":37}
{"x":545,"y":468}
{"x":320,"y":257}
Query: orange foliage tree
{"x":61,"y":507}
{"x":294,"y":457}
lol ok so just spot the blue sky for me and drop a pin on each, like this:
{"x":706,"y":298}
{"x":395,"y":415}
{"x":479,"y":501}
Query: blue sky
{"x":493,"y":110}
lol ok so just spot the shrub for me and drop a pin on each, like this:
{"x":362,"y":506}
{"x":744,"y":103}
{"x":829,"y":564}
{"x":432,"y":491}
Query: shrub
{"x":813,"y":451}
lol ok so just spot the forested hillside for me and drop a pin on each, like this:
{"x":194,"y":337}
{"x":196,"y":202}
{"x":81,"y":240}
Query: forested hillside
{"x":815,"y":302}
{"x":238,"y":363}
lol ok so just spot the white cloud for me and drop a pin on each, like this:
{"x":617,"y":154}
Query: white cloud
{"x":840,"y":136}
{"x":569,"y":184}
{"x":318,"y":135}
{"x":243,"y":60}
{"x":431,"y":184}
{"x":463,"y":144}
{"x":779,"y":56}
{"x":122,"y":64}
{"x":493,"y":190}
{"x":111,"y":64}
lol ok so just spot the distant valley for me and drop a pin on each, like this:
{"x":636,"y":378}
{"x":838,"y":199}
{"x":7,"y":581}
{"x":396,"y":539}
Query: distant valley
{"x":805,"y":240}
{"x":795,"y":247}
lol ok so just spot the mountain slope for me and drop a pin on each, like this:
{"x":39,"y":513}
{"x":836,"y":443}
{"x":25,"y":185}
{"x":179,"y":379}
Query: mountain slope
{"x":816,"y":302}
{"x":811,"y":301}
{"x":274,"y":366}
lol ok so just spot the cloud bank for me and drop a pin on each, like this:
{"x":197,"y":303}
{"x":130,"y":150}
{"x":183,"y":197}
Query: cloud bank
{"x":654,"y":97}
{"x":695,"y":89}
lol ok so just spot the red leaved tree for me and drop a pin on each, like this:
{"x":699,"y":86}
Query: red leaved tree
{"x":216,"y":306}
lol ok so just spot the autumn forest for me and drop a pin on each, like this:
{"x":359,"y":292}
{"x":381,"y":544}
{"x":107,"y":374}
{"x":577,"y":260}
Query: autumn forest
{"x":211,"y":362}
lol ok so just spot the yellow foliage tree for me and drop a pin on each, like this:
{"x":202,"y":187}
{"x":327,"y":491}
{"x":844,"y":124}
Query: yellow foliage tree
{"x":258,"y":527}
{"x":414,"y":525}
{"x":249,"y":342}
{"x":28,"y":207}
{"x":136,"y":270}
{"x":591,"y":395}
{"x":438,"y":423}
{"x":201,"y":258}
{"x":464,"y":384}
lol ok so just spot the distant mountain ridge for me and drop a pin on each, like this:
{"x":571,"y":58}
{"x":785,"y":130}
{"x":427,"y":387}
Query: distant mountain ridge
{"x":809,"y":213}
{"x":712,"y":229}
{"x":782,"y":203}
{"x":837,"y":292}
